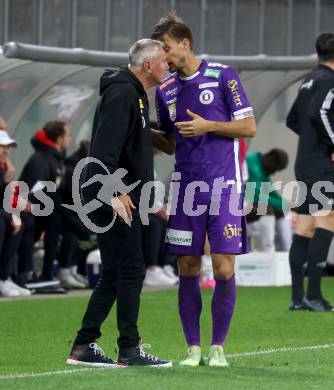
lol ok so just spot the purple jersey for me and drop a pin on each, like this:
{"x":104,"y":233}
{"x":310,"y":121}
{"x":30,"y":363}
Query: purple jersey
{"x":215,"y":93}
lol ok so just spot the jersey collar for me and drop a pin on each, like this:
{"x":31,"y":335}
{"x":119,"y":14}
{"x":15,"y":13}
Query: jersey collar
{"x":199,"y":71}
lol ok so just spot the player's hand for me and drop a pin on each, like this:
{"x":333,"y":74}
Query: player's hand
{"x":332,"y":156}
{"x":9,"y":171}
{"x":122,"y":205}
{"x":161,"y":213}
{"x":195,"y":127}
{"x":16,"y":224}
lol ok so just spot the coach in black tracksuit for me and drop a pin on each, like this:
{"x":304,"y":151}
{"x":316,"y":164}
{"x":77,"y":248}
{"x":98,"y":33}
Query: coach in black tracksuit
{"x":121,"y":139}
{"x":312,"y":118}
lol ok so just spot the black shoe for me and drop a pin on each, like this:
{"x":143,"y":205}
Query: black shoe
{"x":45,"y":286}
{"x":293,"y":306}
{"x":327,"y":305}
{"x":318,"y":305}
{"x":138,"y":357}
{"x":90,"y":355}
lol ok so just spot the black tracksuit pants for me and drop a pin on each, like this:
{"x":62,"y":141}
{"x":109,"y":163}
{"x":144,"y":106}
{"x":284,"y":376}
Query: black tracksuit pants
{"x":121,"y":280}
{"x":33,"y":228}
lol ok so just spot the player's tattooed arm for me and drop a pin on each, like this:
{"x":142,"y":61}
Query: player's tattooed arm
{"x":163,"y":142}
{"x":198,"y":126}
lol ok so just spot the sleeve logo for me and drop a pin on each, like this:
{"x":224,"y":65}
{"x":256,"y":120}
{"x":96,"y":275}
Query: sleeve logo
{"x":141,"y":106}
{"x":214,"y":73}
{"x":234,"y":88}
{"x":172,"y":111}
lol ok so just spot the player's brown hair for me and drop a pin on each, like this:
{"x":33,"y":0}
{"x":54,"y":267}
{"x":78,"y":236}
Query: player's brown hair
{"x":174,"y":26}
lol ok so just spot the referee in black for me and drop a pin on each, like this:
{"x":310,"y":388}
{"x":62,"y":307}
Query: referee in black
{"x":121,"y":139}
{"x":312,"y":119}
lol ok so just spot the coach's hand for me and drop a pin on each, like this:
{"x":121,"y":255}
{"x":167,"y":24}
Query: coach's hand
{"x":122,"y":205}
{"x":196,"y":126}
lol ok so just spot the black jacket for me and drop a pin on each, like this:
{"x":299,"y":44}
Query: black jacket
{"x":3,"y":184}
{"x":65,"y":190}
{"x":46,"y":164}
{"x":121,"y":134}
{"x":312,"y":118}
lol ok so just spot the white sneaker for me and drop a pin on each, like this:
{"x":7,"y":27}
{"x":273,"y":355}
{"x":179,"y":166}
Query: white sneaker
{"x":7,"y":290}
{"x":67,"y":280}
{"x":157,"y":277}
{"x":216,"y":357}
{"x":193,"y":357}
{"x":23,"y":292}
{"x":81,"y":279}
{"x":169,"y":271}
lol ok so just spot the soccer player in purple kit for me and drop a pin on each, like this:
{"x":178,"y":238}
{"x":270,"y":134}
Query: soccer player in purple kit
{"x":203,"y":108}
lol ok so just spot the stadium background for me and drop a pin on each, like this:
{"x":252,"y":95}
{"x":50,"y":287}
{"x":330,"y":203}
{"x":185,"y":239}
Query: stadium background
{"x":32,"y":93}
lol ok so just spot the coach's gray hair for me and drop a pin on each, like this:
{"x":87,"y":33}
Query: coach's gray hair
{"x":144,"y":49}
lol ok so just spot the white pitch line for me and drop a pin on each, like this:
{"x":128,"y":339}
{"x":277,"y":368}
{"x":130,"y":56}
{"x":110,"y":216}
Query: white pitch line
{"x":46,"y":373}
{"x":232,"y":356}
{"x":277,"y":350}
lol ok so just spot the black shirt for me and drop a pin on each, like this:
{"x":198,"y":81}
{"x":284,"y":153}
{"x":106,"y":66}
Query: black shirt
{"x":312,"y":118}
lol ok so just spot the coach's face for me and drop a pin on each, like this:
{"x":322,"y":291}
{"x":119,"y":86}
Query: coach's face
{"x":176,"y":52}
{"x":159,"y":67}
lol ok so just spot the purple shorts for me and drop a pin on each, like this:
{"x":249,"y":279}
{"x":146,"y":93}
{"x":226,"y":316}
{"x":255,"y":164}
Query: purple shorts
{"x":219,"y":216}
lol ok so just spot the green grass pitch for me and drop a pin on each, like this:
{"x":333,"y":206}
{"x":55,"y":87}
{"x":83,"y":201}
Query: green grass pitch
{"x":34,"y":337}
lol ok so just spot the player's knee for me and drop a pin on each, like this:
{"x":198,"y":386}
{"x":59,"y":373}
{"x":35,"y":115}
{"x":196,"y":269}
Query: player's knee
{"x":330,"y":222}
{"x":189,"y":266}
{"x":325,"y":222}
{"x":305,"y":230}
{"x":223,"y":271}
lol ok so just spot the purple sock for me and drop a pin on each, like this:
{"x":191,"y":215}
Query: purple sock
{"x":222,"y":307}
{"x":190,"y":307}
